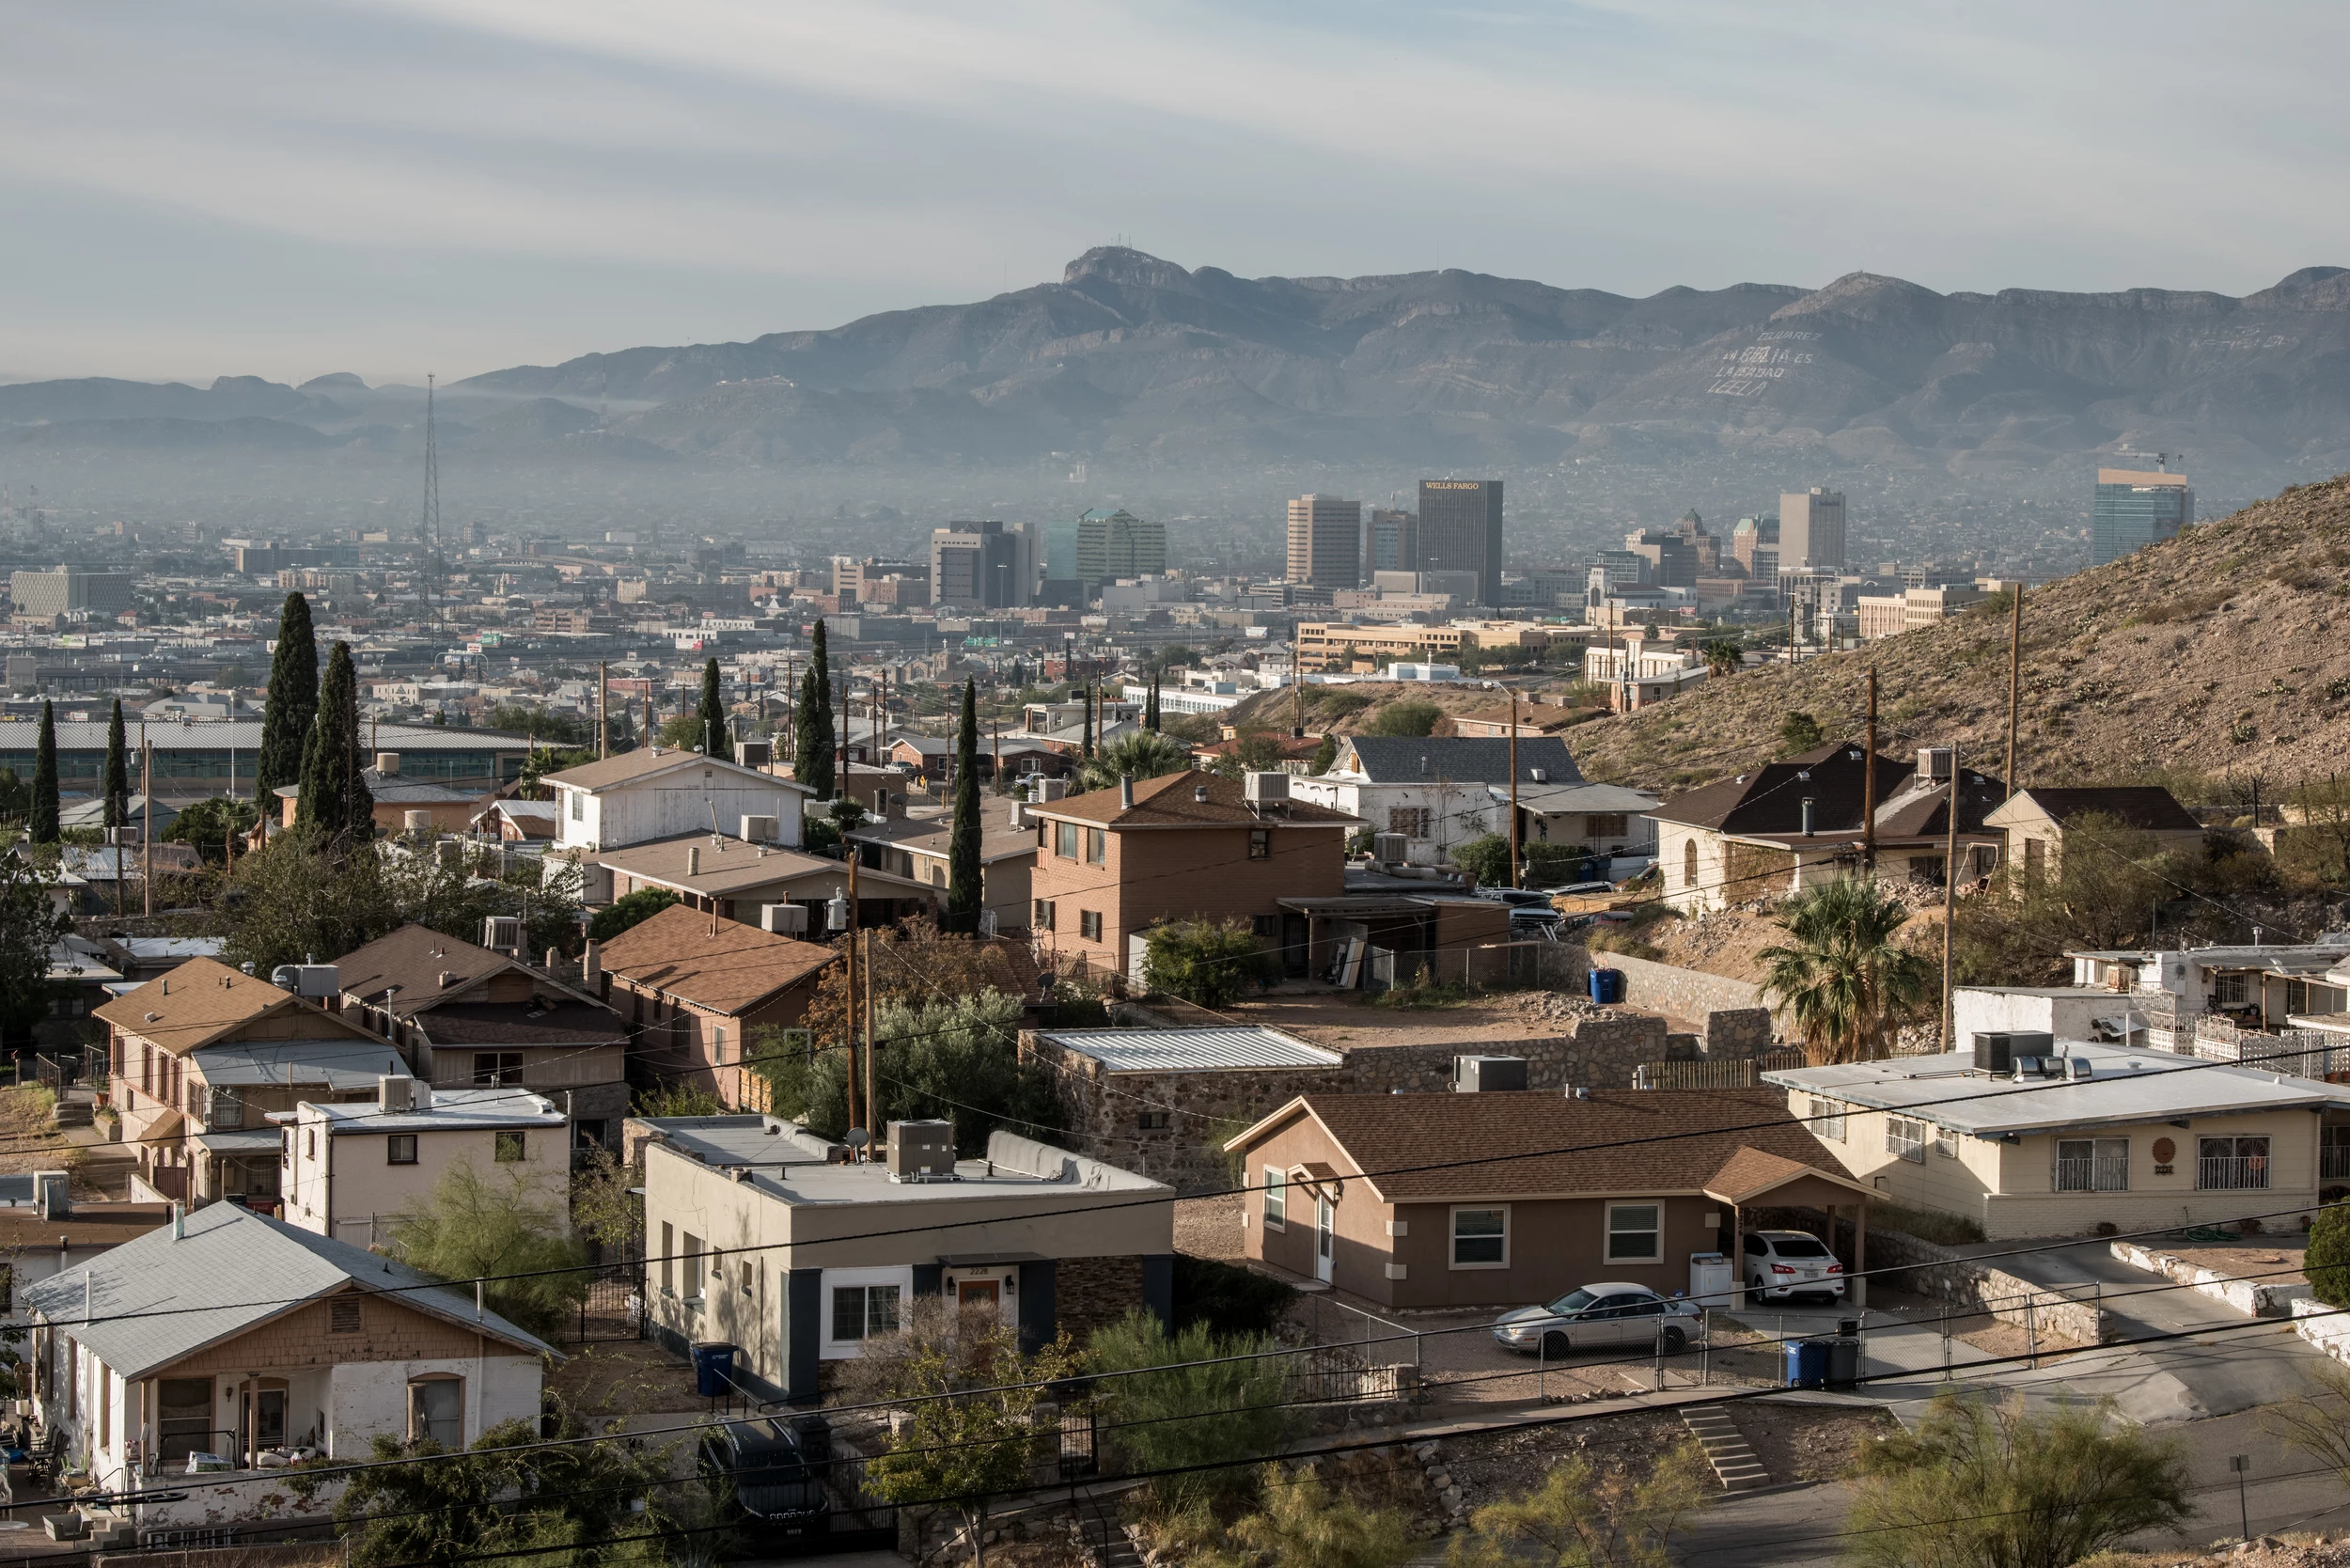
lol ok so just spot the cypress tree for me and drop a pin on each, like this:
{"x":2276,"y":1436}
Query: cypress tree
{"x":964,"y":869}
{"x":1151,"y":707}
{"x":334,"y":797}
{"x":812,"y":759}
{"x":117,"y":771}
{"x":713,"y":713}
{"x":1085,"y":698}
{"x":42,"y":819}
{"x":292,"y":702}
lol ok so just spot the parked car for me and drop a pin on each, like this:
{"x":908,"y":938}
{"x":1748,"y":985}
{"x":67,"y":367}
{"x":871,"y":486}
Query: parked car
{"x":1782,"y":1264}
{"x":768,"y":1475}
{"x":1612,"y":1313}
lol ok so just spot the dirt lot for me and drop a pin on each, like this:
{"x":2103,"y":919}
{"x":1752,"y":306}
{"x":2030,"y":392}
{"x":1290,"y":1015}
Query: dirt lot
{"x":1807,"y":1442}
{"x":623,"y":1377}
{"x":1211,"y":1226}
{"x":2272,"y":1260}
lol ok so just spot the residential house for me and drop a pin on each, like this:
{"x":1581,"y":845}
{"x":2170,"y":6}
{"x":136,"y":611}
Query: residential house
{"x":80,"y":978}
{"x":1436,"y":792}
{"x":1292,"y":753}
{"x":141,"y":959}
{"x":2095,"y":1134}
{"x":1422,"y":1202}
{"x":1792,"y":824}
{"x":198,"y":1057}
{"x":233,"y":1334}
{"x":41,"y":1240}
{"x":447,"y":807}
{"x":932,"y":756}
{"x":693,"y":993}
{"x":739,"y":878}
{"x":916,"y":849}
{"x":2206,"y":1000}
{"x":1533,"y":718}
{"x":92,"y":813}
{"x":467,"y":1017}
{"x":654,"y":792}
{"x":2037,"y":821}
{"x":1639,"y":671}
{"x":1114,"y":863}
{"x":770,"y":1237}
{"x":109,"y":879}
{"x":355,"y":1170}
{"x":518,"y":821}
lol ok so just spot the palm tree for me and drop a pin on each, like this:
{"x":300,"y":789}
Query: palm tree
{"x":1843,"y":977}
{"x":1722,"y":656}
{"x":1144,"y":753}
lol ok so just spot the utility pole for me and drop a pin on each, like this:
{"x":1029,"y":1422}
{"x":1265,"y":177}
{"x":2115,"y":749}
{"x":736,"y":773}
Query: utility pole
{"x":603,"y":710}
{"x":2014,"y":681}
{"x":873,"y":1121}
{"x":1950,"y":897}
{"x":851,"y":1042}
{"x":1869,"y":786}
{"x":1516,"y":879}
{"x":147,"y":822}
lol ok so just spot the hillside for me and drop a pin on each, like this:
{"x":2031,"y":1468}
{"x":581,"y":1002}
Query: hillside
{"x":2224,"y":652}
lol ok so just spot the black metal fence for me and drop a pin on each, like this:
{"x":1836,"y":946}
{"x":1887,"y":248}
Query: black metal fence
{"x":614,"y":1307}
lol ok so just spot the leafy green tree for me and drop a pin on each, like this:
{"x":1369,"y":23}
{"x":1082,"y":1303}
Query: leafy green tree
{"x":1486,"y":857}
{"x":1972,"y":1485}
{"x":1326,"y":756}
{"x":15,"y":798}
{"x":965,"y":873}
{"x":30,"y":925}
{"x":1406,"y":718}
{"x":2100,"y":894}
{"x":1144,"y":754}
{"x":715,"y":740}
{"x":2327,"y":1261}
{"x":334,"y":799}
{"x":1208,"y":1405}
{"x":43,"y":816}
{"x":956,"y":1058}
{"x":291,"y":704}
{"x":1579,"y":1519}
{"x":117,"y":780}
{"x":605,"y":1208}
{"x":474,"y":1225}
{"x":1207,"y":962}
{"x":812,"y":758}
{"x":1798,"y":731}
{"x":547,"y":725}
{"x":1845,"y":978}
{"x":629,"y":909}
{"x":206,"y":824}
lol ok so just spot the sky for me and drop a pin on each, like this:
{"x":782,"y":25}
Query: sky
{"x":294,"y":187}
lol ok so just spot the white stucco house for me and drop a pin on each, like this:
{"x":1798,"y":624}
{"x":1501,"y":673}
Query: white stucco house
{"x":240,"y":1336}
{"x":353,"y":1171}
{"x":1436,"y":792}
{"x":659,"y":793}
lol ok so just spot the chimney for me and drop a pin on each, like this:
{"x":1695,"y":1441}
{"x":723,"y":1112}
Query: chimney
{"x":1125,"y":791}
{"x":179,"y":1221}
{"x":693,"y":860}
{"x":591,"y":967}
{"x":1806,"y":816}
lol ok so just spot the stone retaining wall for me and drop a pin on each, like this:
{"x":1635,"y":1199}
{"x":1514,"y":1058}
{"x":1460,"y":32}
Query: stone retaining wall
{"x":1734,"y":1021}
{"x":2258,"y":1298}
{"x":1942,"y":1274}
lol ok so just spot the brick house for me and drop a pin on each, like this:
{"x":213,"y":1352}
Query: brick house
{"x":761,"y":1233}
{"x":693,"y":990}
{"x":1114,"y":863}
{"x":471,"y":1018}
{"x":1505,"y":1198}
{"x":237,"y":1335}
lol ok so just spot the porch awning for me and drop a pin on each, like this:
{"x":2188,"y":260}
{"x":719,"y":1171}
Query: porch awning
{"x":1752,"y":1175}
{"x":266,"y":1141}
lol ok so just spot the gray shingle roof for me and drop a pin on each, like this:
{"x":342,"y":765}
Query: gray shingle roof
{"x":155,"y":1300}
{"x":1462,"y":759}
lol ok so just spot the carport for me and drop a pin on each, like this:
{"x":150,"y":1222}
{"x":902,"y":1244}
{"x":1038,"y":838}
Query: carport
{"x":1753,"y":1178}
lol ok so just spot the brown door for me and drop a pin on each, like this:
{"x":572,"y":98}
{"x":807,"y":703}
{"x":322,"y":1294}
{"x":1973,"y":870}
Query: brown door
{"x":980,"y":1296}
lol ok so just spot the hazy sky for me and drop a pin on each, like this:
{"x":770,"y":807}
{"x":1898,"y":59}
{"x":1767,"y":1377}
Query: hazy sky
{"x":289,"y":187}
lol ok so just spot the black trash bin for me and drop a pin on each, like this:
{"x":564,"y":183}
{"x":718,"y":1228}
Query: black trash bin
{"x":1843,"y":1361}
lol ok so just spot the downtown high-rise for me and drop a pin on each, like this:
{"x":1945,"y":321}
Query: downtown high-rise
{"x":1460,"y":530}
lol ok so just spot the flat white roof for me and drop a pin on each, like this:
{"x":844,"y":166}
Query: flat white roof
{"x":1202,"y":1050}
{"x":2124,"y":1087}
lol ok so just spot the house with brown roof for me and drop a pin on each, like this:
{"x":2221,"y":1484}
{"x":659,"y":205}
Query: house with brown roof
{"x":467,"y":1017}
{"x":693,"y":988}
{"x":916,"y":849}
{"x":198,"y":1057}
{"x":2037,"y":821}
{"x":1114,"y":863}
{"x":738,"y":878}
{"x":1792,"y":825}
{"x":1505,"y":1197}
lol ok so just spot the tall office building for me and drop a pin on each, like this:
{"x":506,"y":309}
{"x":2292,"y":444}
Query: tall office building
{"x":1460,"y":530}
{"x":71,"y":591}
{"x":1325,"y":542}
{"x":982,"y":566}
{"x":1754,"y":545}
{"x":2137,"y":510}
{"x":1671,"y":561}
{"x":1100,"y":546}
{"x":1811,"y":531}
{"x":1391,"y":542}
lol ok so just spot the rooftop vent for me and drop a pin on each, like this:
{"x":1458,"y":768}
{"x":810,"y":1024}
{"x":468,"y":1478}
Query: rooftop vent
{"x":1200,"y":793}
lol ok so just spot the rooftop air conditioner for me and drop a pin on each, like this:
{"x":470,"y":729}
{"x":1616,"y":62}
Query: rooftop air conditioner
{"x":394,"y":1095}
{"x":759,"y":830}
{"x":1389,"y":848}
{"x":922,"y":1150}
{"x":754,"y":754}
{"x":783,"y":920}
{"x":1267,"y":788}
{"x":502,"y":934}
{"x":1487,"y":1075}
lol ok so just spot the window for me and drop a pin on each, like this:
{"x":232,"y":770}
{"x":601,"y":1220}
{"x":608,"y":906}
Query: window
{"x":1090,"y":924}
{"x":1689,"y":863}
{"x":401,"y":1148}
{"x":1260,"y":843}
{"x":1264,"y":925}
{"x":1609,"y":824}
{"x":310,"y":1144}
{"x":1410,"y":821}
{"x":1096,"y":847}
{"x":1277,"y":1205}
{"x":1827,"y":1119}
{"x":1946,"y":1143}
{"x":510,"y":1146}
{"x":2093,"y":1164}
{"x":578,"y":811}
{"x":1906,"y":1138}
{"x":1043,"y":921}
{"x":436,"y":1412}
{"x":668,"y":1258}
{"x":2227,"y":991}
{"x":693,"y":1266}
{"x":1481,"y":1238}
{"x":1154,"y":1121}
{"x":862,"y":1311}
{"x":342,"y":1317}
{"x":1636,"y":1232}
{"x":2231,"y":1164}
{"x":497,"y":1069}
{"x":1065,"y":840}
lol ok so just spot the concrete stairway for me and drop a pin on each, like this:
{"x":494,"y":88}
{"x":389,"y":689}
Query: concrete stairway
{"x":1733,"y":1461}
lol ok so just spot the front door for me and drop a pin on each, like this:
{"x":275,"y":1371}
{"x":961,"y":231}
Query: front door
{"x":1326,"y":1223}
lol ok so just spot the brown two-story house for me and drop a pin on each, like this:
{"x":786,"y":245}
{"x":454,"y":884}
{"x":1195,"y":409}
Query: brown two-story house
{"x":1112,"y":864}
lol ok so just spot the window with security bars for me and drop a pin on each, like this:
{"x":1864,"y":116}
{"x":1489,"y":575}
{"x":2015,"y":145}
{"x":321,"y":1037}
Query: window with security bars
{"x":2231,"y":1164}
{"x":1905,"y":1139}
{"x":1413,"y":822}
{"x":1827,"y":1119}
{"x":2093,"y":1164}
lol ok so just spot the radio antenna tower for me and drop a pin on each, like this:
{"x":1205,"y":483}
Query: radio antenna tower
{"x":430,"y":527}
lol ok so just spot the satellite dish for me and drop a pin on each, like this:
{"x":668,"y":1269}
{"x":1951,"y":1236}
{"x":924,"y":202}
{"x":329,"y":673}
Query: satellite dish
{"x":856,"y":1137}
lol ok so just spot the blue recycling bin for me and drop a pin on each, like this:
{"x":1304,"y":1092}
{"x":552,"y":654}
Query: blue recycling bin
{"x":713,"y":1370}
{"x":1607,"y":986}
{"x":1806,"y":1363}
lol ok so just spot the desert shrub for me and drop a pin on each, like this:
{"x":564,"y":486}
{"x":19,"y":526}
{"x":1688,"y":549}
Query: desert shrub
{"x":1406,"y":718}
{"x":1206,"y":962}
{"x":1189,"y":1415}
{"x":2327,"y":1264}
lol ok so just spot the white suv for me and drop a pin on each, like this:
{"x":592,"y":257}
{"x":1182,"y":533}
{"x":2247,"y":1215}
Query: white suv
{"x":1784,"y":1263}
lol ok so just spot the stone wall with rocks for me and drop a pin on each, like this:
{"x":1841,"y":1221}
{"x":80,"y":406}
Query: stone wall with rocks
{"x":1734,"y":1020}
{"x":1090,"y":1292}
{"x":1943,"y":1274}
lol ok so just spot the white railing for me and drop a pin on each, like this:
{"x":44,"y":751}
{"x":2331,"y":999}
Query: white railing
{"x":2098,"y":1173}
{"x":2241,"y":1173}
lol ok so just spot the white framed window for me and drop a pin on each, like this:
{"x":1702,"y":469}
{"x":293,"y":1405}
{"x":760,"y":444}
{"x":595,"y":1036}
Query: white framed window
{"x":862,"y":1304}
{"x":2231,"y":1164}
{"x":1827,"y":1119}
{"x":1946,"y":1143}
{"x":579,"y":812}
{"x":1636,"y":1232}
{"x":436,"y":1410}
{"x":1277,"y":1205}
{"x":1906,"y":1138}
{"x":1481,"y":1236}
{"x":2092,"y":1165}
